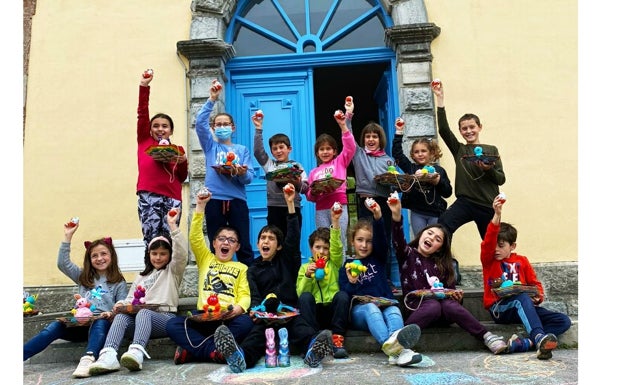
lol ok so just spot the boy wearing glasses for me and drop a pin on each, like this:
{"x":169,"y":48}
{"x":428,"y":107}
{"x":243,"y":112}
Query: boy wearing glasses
{"x":227,"y":173}
{"x":275,"y":273}
{"x":220,"y":275}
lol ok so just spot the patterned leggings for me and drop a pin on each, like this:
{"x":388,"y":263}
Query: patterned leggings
{"x":141,"y":327}
{"x":153,"y":210}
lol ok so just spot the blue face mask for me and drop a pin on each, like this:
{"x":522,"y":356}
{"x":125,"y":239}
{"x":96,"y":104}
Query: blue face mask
{"x":223,"y":133}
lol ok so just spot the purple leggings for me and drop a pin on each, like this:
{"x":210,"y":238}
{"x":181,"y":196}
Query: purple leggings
{"x":445,"y":312}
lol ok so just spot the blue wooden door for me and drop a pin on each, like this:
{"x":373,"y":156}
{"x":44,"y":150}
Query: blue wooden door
{"x":286,"y":100}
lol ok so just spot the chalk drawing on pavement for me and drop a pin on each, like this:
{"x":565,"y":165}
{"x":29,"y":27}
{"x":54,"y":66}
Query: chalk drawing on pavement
{"x":447,"y":378}
{"x":260,"y":373}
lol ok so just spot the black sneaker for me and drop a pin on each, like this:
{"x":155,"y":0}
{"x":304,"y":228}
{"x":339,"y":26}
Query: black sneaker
{"x":338,"y":349}
{"x":227,"y":346}
{"x":545,"y":346}
{"x":319,"y":347}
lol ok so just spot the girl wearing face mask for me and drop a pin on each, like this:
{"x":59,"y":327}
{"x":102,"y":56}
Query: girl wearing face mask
{"x":228,"y":205}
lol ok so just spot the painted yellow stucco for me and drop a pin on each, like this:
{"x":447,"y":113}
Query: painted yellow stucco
{"x":513,"y":63}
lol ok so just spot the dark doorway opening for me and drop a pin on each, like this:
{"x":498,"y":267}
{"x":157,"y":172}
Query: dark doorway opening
{"x":333,"y":84}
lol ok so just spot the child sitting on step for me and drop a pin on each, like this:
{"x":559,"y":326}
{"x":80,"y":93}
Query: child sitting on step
{"x":425,"y":263}
{"x":499,"y":261}
{"x":165,"y":261}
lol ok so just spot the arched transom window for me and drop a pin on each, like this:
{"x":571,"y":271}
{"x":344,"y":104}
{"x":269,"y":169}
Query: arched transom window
{"x":274,"y":27}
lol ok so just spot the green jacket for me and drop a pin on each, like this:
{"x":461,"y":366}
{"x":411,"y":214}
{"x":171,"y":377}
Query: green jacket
{"x":324,"y":289}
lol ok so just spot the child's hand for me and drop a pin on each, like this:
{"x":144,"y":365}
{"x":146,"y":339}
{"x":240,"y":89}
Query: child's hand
{"x":215,"y":90}
{"x":497,"y":205}
{"x":289,"y":192}
{"x":202,"y":198}
{"x":146,"y":77}
{"x":349,"y":105}
{"x":399,"y":125}
{"x":340,"y":117}
{"x":436,"y":87}
{"x":172,"y":218}
{"x":373,"y":207}
{"x":395,"y":208}
{"x":457,"y":295}
{"x":484,"y":166}
{"x":257,"y":119}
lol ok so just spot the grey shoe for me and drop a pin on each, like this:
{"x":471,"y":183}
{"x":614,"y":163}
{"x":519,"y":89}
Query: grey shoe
{"x":319,"y":347}
{"x":545,"y":345}
{"x":227,"y":346}
{"x":408,"y":357}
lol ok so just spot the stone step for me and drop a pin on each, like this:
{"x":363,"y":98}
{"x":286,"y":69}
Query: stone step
{"x":437,"y":339}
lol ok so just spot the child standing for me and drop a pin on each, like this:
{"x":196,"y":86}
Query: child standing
{"x":370,"y":159}
{"x":476,"y":183}
{"x":320,"y":299}
{"x":428,"y":260}
{"x":159,"y":184}
{"x":218,"y":274}
{"x":333,"y":164}
{"x":385,"y":324}
{"x":277,"y":210}
{"x":425,"y":200}
{"x":99,"y":269}
{"x":499,"y":261}
{"x":275,"y":272}
{"x":228,"y":206}
{"x":164,"y":267}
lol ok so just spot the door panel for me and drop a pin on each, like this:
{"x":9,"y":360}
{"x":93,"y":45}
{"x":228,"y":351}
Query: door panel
{"x":285,"y":100}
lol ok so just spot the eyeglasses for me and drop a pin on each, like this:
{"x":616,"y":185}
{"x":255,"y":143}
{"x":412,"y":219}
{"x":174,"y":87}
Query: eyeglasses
{"x":221,"y":124}
{"x":230,"y":240}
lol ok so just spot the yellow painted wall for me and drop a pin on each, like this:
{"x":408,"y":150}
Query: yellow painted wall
{"x":513,"y":63}
{"x":80,"y":138}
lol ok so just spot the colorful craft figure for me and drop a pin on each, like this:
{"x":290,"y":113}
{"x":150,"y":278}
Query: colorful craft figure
{"x":139,"y":296}
{"x":29,"y":303}
{"x":478,"y":151}
{"x":337,"y":208}
{"x":83,"y":309}
{"x":429,"y":169}
{"x":355,"y":267}
{"x":392,"y":170}
{"x":321,"y":265}
{"x":212,"y":304}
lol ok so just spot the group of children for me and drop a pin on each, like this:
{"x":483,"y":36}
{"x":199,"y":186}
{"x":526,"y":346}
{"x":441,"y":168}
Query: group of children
{"x":332,"y":292}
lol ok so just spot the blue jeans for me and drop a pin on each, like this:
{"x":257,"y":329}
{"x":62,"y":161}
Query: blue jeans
{"x":420,"y":221}
{"x":95,"y":335}
{"x":381,"y":323}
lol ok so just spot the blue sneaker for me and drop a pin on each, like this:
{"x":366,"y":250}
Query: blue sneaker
{"x":319,"y":347}
{"x":227,"y":346}
{"x":518,"y":344}
{"x":283,"y":358}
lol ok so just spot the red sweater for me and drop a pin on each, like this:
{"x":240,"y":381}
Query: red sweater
{"x":518,"y":267}
{"x":156,"y":177}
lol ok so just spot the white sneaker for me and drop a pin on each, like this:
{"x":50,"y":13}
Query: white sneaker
{"x":408,"y":357}
{"x":82,"y":370}
{"x":392,"y":360}
{"x":107,"y":362}
{"x":404,"y":338}
{"x":133,"y":358}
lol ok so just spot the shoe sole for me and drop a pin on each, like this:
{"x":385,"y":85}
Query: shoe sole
{"x":416,"y":358}
{"x":320,"y":348}
{"x":406,"y":338}
{"x":96,"y":371}
{"x":547,"y":345}
{"x":130,"y":363}
{"x":226,"y":345}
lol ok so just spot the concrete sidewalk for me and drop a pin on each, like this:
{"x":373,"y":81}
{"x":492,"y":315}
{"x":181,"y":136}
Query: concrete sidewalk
{"x":463,"y":368}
